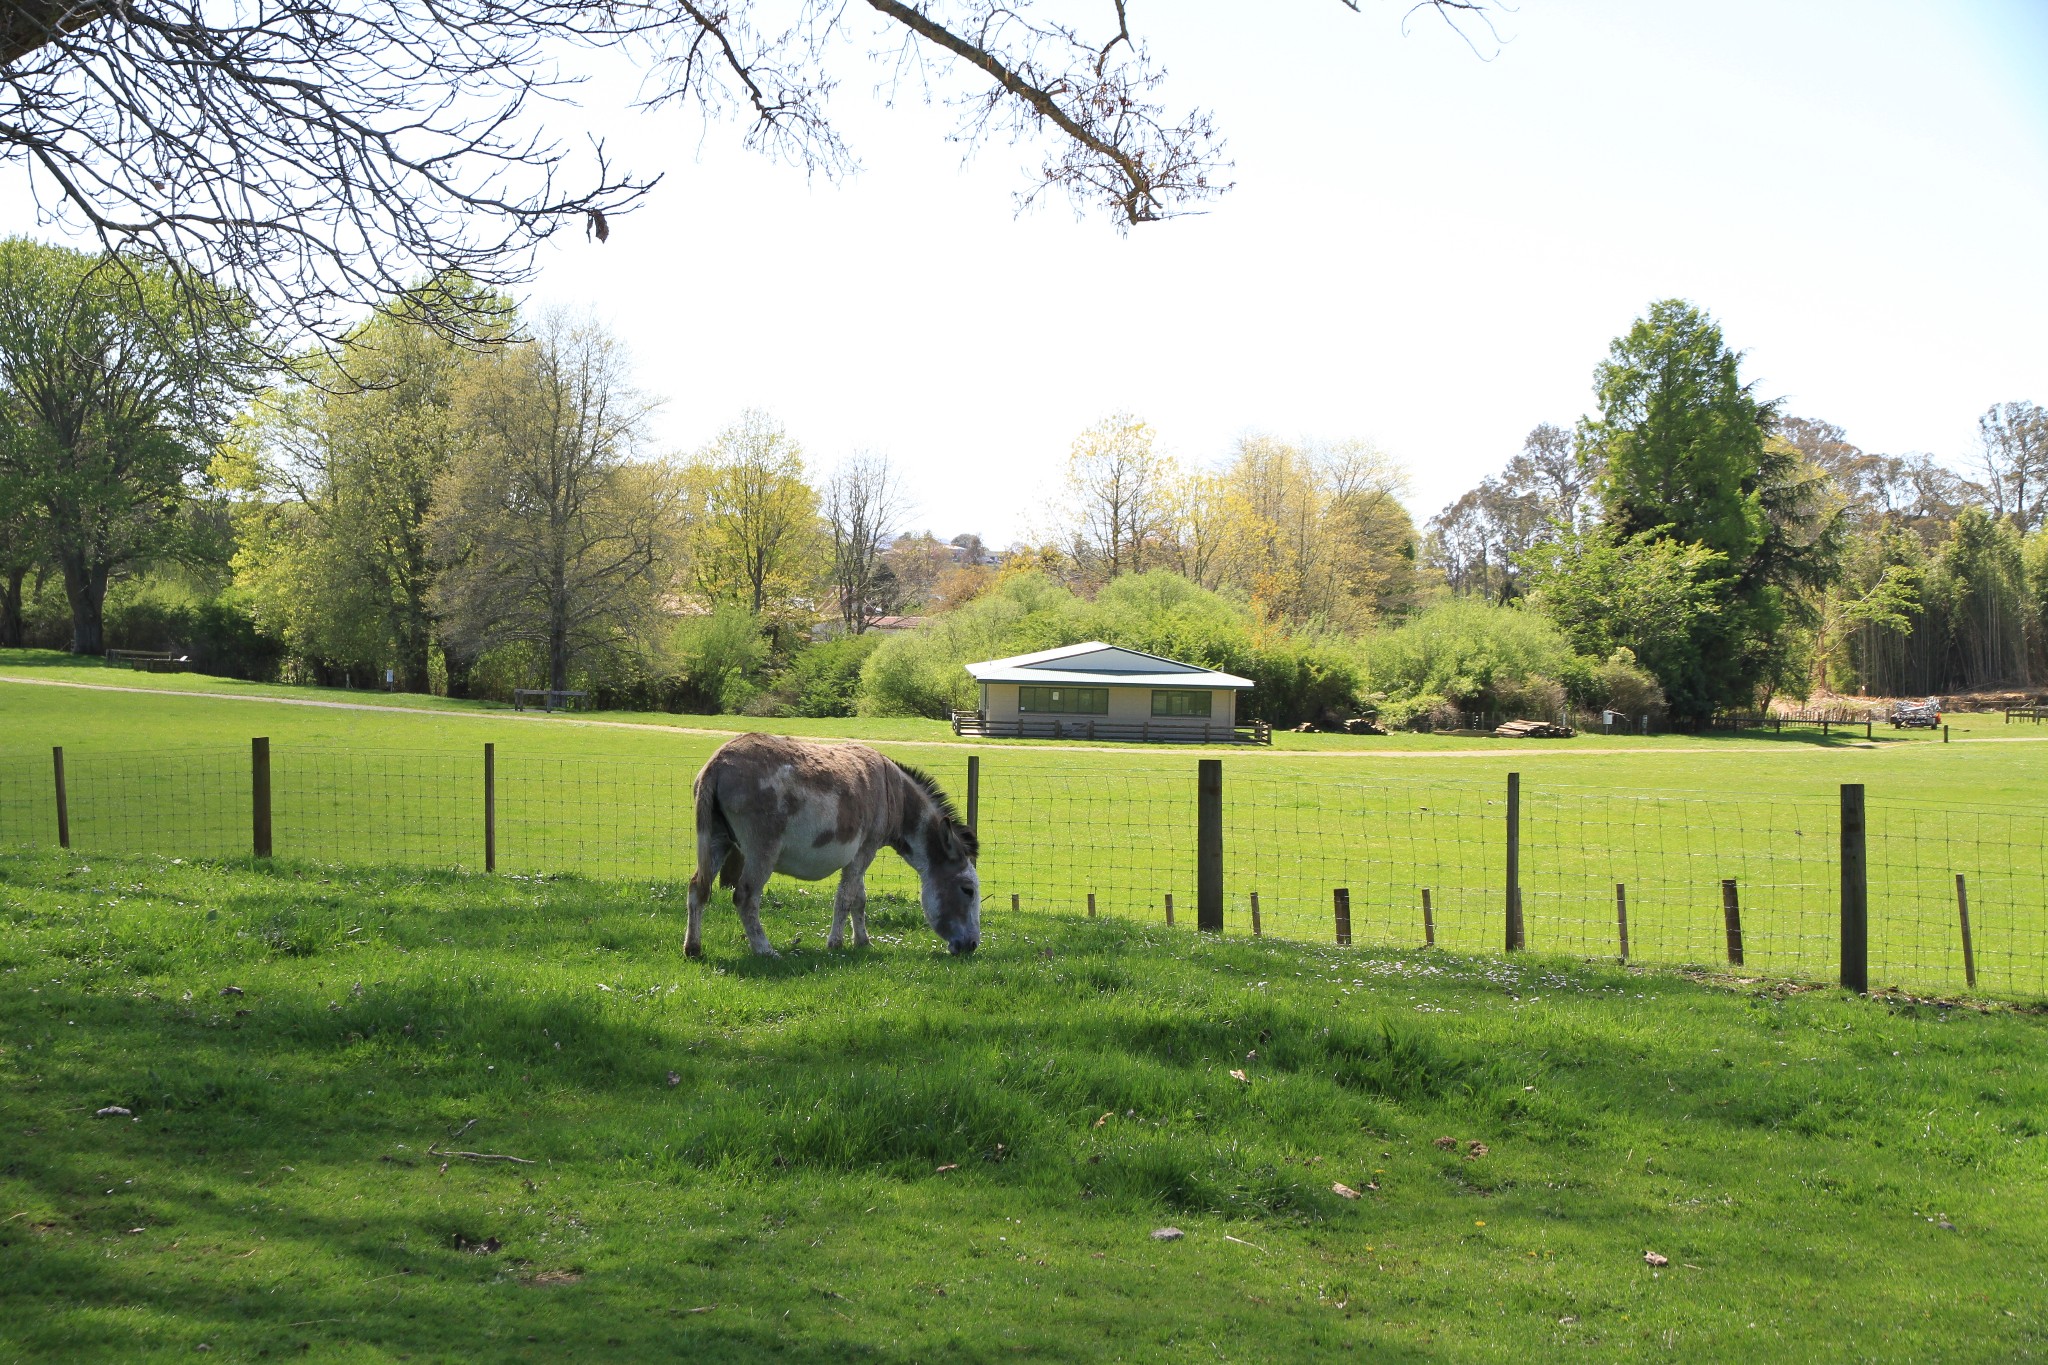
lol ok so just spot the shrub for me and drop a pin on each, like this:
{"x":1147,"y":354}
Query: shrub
{"x":1472,"y":654}
{"x":824,"y":678}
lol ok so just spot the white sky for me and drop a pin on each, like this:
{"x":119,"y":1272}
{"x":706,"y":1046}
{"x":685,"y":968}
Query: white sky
{"x":1424,"y":249}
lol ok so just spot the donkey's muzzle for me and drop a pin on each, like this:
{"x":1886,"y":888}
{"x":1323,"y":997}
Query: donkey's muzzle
{"x":965,"y":946}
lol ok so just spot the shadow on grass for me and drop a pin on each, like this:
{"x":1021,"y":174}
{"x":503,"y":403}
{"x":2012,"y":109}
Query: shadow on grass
{"x":1088,"y":1068}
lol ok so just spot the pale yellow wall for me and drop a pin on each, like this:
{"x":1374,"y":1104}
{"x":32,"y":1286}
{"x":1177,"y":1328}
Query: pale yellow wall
{"x":1127,"y":706}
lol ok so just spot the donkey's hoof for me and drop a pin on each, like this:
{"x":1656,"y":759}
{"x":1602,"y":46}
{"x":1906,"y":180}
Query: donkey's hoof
{"x":693,"y":950}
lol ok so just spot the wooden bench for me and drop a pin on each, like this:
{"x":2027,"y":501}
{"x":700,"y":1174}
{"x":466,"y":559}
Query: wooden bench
{"x":548,"y":699}
{"x":148,"y":660}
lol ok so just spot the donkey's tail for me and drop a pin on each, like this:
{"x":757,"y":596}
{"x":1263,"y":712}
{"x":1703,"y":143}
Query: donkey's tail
{"x":714,"y":834}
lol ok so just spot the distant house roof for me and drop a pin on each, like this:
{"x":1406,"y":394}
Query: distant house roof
{"x":897,"y":622}
{"x":1096,"y":664}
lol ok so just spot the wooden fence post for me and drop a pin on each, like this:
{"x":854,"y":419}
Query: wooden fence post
{"x":1091,"y":905}
{"x":1209,"y":845}
{"x":1621,"y":916}
{"x":1428,"y":921}
{"x":259,"y":795}
{"x":1013,"y":901}
{"x":974,"y":795}
{"x":1969,"y":952}
{"x":490,"y":808}
{"x":1341,"y":903}
{"x":1255,"y":915}
{"x":1731,"y":920}
{"x":63,"y":803}
{"x":1855,"y":893}
{"x":1169,"y":909}
{"x":1514,"y":887}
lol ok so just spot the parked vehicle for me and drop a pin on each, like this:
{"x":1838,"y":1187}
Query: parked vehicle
{"x":1917,"y":715}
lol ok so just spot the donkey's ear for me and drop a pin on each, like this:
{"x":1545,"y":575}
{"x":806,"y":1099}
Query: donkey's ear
{"x":968,"y":842}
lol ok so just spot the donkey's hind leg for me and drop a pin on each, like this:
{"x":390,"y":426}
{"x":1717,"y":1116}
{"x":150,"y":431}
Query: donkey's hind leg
{"x":714,"y":854}
{"x":746,"y":898}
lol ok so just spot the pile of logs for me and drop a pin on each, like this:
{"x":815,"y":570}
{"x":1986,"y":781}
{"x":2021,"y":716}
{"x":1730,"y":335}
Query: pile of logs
{"x":1532,"y":729}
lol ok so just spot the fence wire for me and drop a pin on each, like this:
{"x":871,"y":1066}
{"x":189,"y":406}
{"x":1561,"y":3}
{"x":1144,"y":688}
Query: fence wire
{"x":1421,"y":858}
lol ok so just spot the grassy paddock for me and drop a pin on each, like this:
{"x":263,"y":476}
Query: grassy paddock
{"x":167,"y":772}
{"x":898,"y":1155}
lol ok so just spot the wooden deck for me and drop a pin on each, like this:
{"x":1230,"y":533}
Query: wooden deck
{"x":975,"y":724}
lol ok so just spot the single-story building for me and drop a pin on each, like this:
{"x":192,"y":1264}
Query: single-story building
{"x":1102,"y":691}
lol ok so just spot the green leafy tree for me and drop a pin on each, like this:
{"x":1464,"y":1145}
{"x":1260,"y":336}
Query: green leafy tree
{"x":112,"y":393}
{"x":1659,"y":598}
{"x":340,"y":476}
{"x":21,"y":541}
{"x":1688,"y":459}
{"x":755,"y":534}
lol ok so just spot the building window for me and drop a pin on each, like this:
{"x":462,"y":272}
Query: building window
{"x":1181,"y":704}
{"x":1072,"y":701}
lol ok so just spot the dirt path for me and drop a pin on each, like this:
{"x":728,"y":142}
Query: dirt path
{"x":1065,"y":748}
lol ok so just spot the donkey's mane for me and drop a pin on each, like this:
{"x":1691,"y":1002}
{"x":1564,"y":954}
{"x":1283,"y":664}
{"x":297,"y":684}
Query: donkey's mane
{"x":931,"y":788}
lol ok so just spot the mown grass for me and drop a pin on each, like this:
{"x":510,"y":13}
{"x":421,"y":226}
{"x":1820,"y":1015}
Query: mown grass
{"x":899,"y":1155}
{"x":168,"y":772}
{"x":51,"y":666}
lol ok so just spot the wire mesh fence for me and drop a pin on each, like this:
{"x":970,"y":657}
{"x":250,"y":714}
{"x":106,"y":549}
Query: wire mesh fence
{"x":1957,"y":894}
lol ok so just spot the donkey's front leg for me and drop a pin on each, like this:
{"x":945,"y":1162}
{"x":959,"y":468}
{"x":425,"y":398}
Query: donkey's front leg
{"x":852,"y":899}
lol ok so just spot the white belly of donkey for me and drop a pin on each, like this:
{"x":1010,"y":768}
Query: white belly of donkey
{"x":810,"y":847}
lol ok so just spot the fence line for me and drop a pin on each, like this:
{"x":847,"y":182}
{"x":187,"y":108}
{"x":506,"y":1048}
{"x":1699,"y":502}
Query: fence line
{"x":1955,"y":894}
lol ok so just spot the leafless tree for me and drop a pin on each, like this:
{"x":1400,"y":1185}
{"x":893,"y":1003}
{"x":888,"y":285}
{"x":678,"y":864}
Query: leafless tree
{"x":865,"y":503}
{"x":315,"y":156}
{"x":2013,"y":444}
{"x":549,"y":534}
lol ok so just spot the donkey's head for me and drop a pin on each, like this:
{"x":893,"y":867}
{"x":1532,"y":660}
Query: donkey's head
{"x":944,"y":850}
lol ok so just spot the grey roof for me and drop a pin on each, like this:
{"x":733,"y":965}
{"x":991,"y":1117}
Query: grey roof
{"x":1096,"y":664}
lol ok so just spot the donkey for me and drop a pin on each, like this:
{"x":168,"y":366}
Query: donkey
{"x":804,"y":808}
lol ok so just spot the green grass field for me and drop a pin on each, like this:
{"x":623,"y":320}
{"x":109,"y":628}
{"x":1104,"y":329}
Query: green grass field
{"x":896,"y":1155}
{"x":160,"y":769}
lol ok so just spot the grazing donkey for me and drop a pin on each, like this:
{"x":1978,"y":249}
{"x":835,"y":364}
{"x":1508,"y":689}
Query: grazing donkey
{"x":767,"y":803}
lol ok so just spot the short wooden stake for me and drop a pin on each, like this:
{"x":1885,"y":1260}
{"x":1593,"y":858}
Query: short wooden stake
{"x":1428,"y":921}
{"x":1963,"y":913}
{"x":1944,"y":734}
{"x":1169,"y":909}
{"x":1340,"y":900}
{"x":490,"y":808}
{"x":1013,"y":900}
{"x":259,"y":795}
{"x":1731,"y":919}
{"x":1255,"y":915}
{"x":1091,"y":905}
{"x":63,"y":805}
{"x":1621,"y":916}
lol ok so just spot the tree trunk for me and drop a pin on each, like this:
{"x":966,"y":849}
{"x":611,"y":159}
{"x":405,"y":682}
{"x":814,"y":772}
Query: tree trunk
{"x":13,"y":629}
{"x":85,"y":587}
{"x":558,"y":656}
{"x":461,"y":673}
